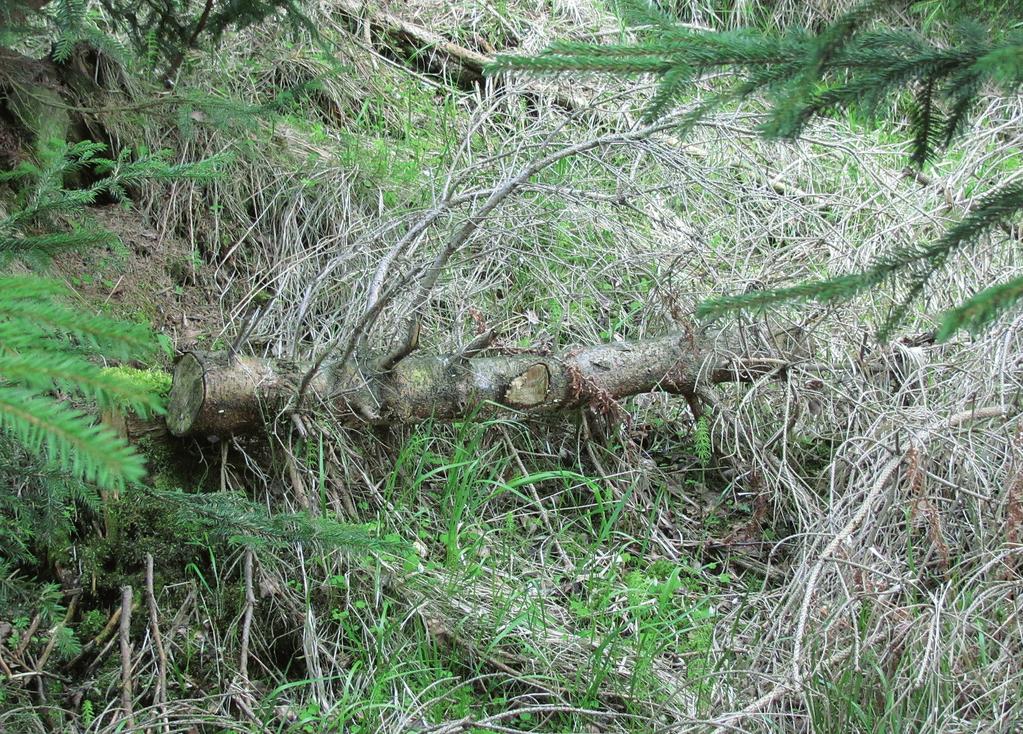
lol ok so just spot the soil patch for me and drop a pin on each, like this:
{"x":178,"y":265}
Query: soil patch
{"x":150,"y":276}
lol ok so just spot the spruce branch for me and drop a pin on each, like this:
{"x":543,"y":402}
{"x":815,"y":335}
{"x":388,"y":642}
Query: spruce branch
{"x":976,"y":313}
{"x":41,"y":370}
{"x":117,"y":339}
{"x":234,"y":518}
{"x":69,"y":438}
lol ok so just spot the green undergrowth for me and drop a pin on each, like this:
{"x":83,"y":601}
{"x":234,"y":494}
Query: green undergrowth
{"x":466,"y":512}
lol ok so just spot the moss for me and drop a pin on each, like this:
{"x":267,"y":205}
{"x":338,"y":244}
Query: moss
{"x":153,"y":379}
{"x":142,"y":527}
{"x":419,"y":377}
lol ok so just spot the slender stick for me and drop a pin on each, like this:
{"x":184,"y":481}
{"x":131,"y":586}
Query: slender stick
{"x":250,"y":604}
{"x":566,"y":560}
{"x":27,"y":636}
{"x":160,"y":694}
{"x":71,"y":607}
{"x":126,"y":683}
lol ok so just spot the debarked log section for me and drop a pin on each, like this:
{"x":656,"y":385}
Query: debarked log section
{"x":214,"y":394}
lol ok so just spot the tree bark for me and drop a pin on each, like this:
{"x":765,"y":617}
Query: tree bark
{"x":215,"y":395}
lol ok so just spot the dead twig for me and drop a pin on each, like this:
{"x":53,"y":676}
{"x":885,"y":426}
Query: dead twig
{"x":26,"y":637}
{"x":126,"y":666}
{"x":250,"y":605}
{"x":72,"y":607}
{"x":478,"y":217}
{"x":787,"y":687}
{"x":866,"y":506}
{"x":160,"y":692}
{"x":517,"y":457}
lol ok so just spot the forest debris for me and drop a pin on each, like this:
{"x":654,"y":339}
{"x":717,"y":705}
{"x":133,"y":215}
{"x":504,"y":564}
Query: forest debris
{"x":127,"y":697}
{"x":160,"y":692}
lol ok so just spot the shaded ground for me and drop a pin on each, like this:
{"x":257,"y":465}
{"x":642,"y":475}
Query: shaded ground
{"x":152,"y":276}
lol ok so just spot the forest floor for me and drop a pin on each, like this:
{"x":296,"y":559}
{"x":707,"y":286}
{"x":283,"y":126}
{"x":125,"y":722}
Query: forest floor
{"x":152,"y":277}
{"x":833,"y":547}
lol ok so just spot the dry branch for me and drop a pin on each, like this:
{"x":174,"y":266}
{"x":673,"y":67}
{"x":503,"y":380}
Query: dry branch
{"x":505,"y":189}
{"x":250,"y":604}
{"x":160,"y":690}
{"x":215,"y":395}
{"x":469,"y":62}
{"x":918,"y":441}
{"x":126,"y":667}
{"x":71,"y":608}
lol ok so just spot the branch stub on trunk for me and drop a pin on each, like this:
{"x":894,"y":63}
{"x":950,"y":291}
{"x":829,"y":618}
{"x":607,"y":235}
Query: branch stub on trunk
{"x":530,"y":388}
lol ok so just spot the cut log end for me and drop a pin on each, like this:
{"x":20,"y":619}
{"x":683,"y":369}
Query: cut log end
{"x":187,"y":395}
{"x":217,"y":395}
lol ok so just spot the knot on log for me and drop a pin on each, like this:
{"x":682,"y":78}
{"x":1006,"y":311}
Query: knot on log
{"x":530,"y":388}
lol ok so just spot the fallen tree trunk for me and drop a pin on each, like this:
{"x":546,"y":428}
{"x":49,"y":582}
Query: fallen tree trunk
{"x":215,"y":395}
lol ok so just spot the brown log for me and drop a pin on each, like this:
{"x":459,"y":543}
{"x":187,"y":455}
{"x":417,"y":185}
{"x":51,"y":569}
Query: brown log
{"x":214,"y":395}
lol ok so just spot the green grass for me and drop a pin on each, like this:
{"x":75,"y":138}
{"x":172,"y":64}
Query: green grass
{"x":461,"y":500}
